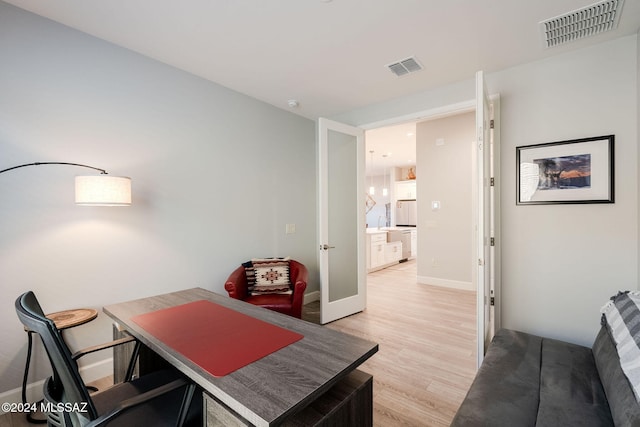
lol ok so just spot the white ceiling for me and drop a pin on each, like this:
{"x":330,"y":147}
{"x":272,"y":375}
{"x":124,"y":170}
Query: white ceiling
{"x":330,"y":56}
{"x":392,"y":146}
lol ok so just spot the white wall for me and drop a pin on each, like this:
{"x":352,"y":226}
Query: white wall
{"x":216,"y":176}
{"x":444,"y":154}
{"x":560,"y":263}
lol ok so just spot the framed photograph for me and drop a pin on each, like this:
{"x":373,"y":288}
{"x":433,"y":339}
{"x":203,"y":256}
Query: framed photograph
{"x":575,"y":171}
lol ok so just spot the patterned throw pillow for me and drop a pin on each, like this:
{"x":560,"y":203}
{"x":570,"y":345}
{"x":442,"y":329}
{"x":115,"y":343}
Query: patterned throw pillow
{"x":268,"y":276}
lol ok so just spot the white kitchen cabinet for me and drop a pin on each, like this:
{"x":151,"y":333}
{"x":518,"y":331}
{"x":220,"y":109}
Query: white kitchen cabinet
{"x":406,"y":190}
{"x":392,"y":252}
{"x":380,"y":253}
{"x":378,"y":242}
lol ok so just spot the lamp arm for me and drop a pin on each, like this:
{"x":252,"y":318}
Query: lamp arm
{"x":102,"y":171}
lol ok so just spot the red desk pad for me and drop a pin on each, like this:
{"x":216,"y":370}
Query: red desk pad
{"x":216,"y":338}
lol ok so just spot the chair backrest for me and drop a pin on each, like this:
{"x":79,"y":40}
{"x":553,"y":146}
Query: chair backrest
{"x":73,"y":389}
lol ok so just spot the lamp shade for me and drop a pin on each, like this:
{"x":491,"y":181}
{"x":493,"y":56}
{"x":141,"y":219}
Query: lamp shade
{"x":103,"y":190}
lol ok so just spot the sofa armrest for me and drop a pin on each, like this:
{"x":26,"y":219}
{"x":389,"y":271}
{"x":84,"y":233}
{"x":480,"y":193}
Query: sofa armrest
{"x":298,"y":274}
{"x":236,"y":284}
{"x":625,"y":409}
{"x":506,"y":388}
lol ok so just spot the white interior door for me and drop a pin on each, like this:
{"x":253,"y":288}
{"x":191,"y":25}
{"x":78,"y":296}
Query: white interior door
{"x":341,"y":164}
{"x":486,"y":220}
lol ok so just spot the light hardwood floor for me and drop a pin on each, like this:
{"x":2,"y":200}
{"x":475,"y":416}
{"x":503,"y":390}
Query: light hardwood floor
{"x":427,"y":354}
{"x":427,"y":338}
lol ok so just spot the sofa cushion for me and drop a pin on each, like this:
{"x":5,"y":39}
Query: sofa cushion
{"x":276,"y":302}
{"x":506,"y":389}
{"x":571,"y":393}
{"x":625,"y":410}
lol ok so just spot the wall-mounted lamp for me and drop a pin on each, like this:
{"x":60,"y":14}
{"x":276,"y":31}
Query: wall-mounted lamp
{"x":95,"y":190}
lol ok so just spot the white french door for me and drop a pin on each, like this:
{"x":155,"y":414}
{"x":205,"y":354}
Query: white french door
{"x":341,"y":220}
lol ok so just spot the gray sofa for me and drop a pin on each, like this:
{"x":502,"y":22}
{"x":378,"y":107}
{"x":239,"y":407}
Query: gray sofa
{"x":527,"y":380}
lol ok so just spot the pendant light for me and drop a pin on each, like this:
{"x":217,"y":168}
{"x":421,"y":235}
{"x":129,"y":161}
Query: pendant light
{"x":385,"y":189}
{"x":372,"y":189}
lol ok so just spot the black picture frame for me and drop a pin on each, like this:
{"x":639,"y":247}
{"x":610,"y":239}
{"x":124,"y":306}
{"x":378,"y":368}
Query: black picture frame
{"x":576,"y":171}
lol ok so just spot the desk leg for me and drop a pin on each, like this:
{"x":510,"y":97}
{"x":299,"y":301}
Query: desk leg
{"x":217,"y":414}
{"x":148,"y":361}
{"x":122,"y":356}
{"x":348,"y":403}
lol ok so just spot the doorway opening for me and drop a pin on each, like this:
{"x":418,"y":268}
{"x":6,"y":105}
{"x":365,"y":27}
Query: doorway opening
{"x":444,"y":189}
{"x":421,"y":177}
{"x":438,"y":255}
{"x":485,"y":194}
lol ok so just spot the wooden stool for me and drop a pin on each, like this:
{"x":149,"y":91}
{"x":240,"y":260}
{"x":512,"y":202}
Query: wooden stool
{"x":63,"y":320}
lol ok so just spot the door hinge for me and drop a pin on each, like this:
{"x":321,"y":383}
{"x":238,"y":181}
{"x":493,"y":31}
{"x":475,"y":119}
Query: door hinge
{"x":492,"y":182}
{"x":492,"y":241}
{"x":491,"y":124}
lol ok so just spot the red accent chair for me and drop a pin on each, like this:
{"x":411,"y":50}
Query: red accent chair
{"x":236,"y":286}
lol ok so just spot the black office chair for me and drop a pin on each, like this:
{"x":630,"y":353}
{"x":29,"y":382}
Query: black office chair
{"x":162,"y":398}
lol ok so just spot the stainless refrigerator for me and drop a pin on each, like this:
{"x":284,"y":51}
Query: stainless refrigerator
{"x":406,"y":213}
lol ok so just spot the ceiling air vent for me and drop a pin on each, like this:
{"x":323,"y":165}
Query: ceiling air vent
{"x":588,"y":21}
{"x":406,"y":66}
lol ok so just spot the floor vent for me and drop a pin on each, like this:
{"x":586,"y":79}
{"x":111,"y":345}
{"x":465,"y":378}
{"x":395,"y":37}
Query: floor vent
{"x":588,"y":21}
{"x":406,"y":66}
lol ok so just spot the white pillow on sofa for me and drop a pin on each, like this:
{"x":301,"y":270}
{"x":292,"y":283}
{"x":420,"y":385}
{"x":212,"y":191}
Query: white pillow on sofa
{"x":622,"y":315}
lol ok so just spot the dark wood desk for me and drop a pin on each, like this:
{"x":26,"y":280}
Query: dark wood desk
{"x":271,"y":390}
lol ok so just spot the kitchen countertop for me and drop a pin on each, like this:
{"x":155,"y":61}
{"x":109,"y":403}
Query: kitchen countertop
{"x":376,"y":231}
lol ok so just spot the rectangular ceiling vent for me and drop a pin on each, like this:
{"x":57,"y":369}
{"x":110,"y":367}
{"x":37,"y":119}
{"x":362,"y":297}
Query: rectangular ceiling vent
{"x":588,"y":21}
{"x":404,"y":67}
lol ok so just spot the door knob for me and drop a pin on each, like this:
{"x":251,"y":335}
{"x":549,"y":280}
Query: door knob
{"x":325,"y":247}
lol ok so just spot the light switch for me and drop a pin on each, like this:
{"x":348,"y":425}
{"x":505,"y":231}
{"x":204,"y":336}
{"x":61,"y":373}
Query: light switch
{"x":435,"y":205}
{"x":290,"y":229}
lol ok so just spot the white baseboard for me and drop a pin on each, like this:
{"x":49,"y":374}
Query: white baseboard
{"x":311,"y":297}
{"x":446,"y":283}
{"x":89,"y":373}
